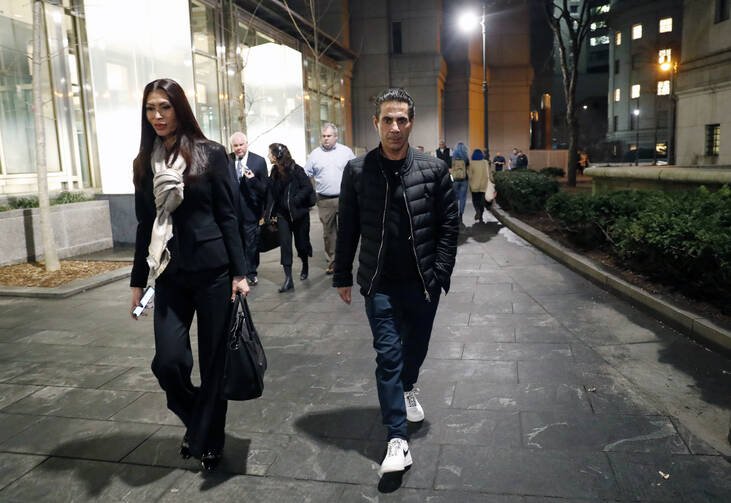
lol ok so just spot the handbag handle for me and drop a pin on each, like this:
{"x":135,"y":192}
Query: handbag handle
{"x":240,"y":302}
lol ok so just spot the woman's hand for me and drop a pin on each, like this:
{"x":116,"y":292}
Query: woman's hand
{"x":137,"y":293}
{"x":239,"y":285}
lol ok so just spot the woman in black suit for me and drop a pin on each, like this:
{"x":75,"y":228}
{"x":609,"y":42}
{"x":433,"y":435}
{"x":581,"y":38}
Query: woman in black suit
{"x":188,"y":242}
{"x":290,"y":197}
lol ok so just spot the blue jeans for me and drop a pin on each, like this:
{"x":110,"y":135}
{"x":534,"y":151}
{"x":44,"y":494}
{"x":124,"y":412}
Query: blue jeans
{"x":401,"y":321}
{"x":460,"y":190}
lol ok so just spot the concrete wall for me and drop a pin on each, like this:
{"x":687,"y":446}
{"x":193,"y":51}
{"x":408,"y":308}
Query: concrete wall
{"x":122,"y":213}
{"x":78,"y":228}
{"x":539,"y":159}
{"x":703,"y":85}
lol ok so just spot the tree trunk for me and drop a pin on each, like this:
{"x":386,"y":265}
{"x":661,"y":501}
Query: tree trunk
{"x":44,"y":207}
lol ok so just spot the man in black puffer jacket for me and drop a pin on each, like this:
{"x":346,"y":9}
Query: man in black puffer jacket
{"x":399,"y":203}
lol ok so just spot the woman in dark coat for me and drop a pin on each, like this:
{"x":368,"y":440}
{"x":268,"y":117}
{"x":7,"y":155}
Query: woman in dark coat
{"x":290,"y":197}
{"x":188,"y":242}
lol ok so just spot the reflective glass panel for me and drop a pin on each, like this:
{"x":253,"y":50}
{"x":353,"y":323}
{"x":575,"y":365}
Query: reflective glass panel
{"x":206,"y":96}
{"x":203,"y":27}
{"x":17,"y":129}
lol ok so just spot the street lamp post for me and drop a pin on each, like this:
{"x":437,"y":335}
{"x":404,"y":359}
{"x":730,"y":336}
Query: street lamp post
{"x":467,"y":22}
{"x":636,"y":112}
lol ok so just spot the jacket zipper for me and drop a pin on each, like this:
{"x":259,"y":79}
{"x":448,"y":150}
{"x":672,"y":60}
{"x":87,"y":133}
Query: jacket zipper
{"x":413,"y":244}
{"x":383,"y":236}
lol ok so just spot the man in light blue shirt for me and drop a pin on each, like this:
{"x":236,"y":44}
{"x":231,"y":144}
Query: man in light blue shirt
{"x":326,"y":164}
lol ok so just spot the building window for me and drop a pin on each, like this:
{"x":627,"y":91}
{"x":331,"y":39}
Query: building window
{"x":600,"y":9}
{"x":722,"y":10}
{"x":573,"y":9}
{"x":713,"y":139}
{"x":205,"y":70}
{"x":616,"y":66}
{"x":603,"y":40}
{"x":635,"y":91}
{"x":663,"y":56}
{"x":615,"y":123}
{"x":618,"y":38}
{"x":636,"y":31}
{"x":396,"y":37}
{"x":666,"y":25}
{"x":663,"y":87}
{"x":617,"y":94}
{"x":597,"y":25}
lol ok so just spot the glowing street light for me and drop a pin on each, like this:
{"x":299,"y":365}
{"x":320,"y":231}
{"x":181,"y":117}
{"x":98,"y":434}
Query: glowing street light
{"x":467,"y":22}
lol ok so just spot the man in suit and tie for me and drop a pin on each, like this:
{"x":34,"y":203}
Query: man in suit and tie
{"x":249,"y":172}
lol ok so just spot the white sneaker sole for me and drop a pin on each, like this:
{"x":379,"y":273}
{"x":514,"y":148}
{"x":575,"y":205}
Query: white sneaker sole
{"x":392,"y":469}
{"x":415,"y":418}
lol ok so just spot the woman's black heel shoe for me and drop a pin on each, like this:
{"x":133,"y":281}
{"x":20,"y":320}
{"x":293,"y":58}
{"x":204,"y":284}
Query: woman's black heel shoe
{"x":210,"y":460}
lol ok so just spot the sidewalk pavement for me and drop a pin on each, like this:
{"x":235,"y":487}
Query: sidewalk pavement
{"x":538,"y":385}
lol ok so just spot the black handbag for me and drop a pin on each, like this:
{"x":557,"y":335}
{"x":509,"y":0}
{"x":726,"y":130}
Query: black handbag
{"x":268,"y":235}
{"x":243,"y":372}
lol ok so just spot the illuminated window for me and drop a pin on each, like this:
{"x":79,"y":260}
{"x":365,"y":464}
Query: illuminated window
{"x":603,"y":40}
{"x":663,"y":55}
{"x":713,"y":139}
{"x":598,"y":24}
{"x":636,"y":31}
{"x":600,"y":9}
{"x":618,"y":38}
{"x":666,"y":25}
{"x":663,"y":87}
{"x":617,"y":94}
{"x":635,"y":91}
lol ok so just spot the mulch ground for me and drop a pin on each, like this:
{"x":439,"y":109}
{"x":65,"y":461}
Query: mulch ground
{"x":34,"y":273}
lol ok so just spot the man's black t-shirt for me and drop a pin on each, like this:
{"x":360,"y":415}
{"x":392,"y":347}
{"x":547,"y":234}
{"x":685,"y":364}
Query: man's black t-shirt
{"x":399,"y":262}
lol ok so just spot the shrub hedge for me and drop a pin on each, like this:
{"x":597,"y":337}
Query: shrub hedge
{"x":524,"y":191}
{"x":553,"y":171}
{"x":678,"y":238}
{"x":65,"y":197}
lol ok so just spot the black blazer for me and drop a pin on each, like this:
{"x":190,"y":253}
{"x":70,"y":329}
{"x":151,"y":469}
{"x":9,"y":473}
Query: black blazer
{"x":249,"y":193}
{"x":205,"y":228}
{"x":445,"y":156}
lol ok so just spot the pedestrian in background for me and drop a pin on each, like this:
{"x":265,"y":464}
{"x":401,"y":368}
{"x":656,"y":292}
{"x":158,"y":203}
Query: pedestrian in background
{"x":182,"y":182}
{"x":249,"y":174}
{"x":477,"y":177}
{"x":290,"y":194}
{"x":513,"y":159}
{"x":398,"y":203}
{"x":326,"y":164}
{"x":460,"y":163}
{"x":444,"y":153}
{"x":522,"y":160}
{"x":499,"y":162}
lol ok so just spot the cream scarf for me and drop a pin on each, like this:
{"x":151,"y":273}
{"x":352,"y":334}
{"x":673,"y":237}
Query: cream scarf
{"x":167,"y":186}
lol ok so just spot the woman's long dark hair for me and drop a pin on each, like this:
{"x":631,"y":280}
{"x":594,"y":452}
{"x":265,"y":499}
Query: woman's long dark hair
{"x":187,"y":134}
{"x":284,"y":161}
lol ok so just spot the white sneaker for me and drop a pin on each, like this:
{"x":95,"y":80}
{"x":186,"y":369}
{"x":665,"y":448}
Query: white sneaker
{"x":414,"y":412}
{"x":398,"y":457}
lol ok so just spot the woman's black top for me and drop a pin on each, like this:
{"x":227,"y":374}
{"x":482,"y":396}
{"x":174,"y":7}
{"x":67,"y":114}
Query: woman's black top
{"x":290,"y":197}
{"x":205,"y":228}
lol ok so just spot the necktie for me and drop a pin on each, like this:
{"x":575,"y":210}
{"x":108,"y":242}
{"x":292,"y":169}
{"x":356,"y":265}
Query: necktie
{"x":238,"y":168}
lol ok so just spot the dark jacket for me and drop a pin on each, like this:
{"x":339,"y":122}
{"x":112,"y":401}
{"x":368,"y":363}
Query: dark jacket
{"x":249,"y":193}
{"x":445,"y":156}
{"x":295,"y":202}
{"x":432,"y":208}
{"x":205,"y":228}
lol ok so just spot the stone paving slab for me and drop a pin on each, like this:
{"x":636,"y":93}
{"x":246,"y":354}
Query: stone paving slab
{"x":539,"y":387}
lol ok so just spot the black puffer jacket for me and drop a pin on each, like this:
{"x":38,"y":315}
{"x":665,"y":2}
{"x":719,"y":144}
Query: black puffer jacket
{"x":299,"y":195}
{"x":364,"y":201}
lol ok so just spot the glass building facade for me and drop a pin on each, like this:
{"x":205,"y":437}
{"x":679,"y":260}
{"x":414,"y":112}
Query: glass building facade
{"x":239,"y":73}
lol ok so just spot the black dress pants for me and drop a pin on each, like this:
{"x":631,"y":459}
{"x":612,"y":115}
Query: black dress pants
{"x":177,"y":297}
{"x":301,"y":231}
{"x":478,"y":201}
{"x":250,"y":233}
